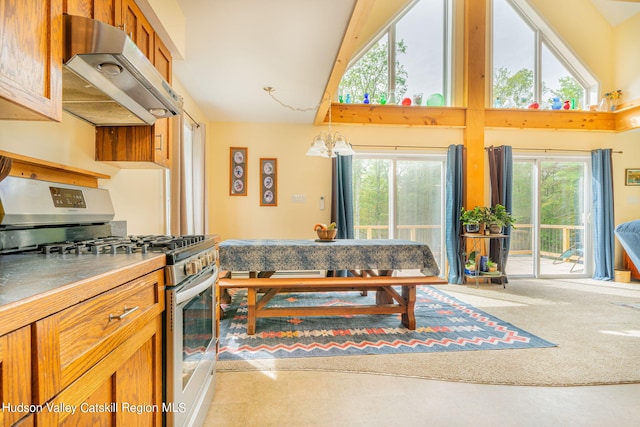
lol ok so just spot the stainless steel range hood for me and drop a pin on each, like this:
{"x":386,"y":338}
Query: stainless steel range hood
{"x":107,"y":80}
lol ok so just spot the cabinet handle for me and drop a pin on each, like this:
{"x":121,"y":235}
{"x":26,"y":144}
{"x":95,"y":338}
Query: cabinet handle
{"x":127,"y":311}
{"x":161,"y":136}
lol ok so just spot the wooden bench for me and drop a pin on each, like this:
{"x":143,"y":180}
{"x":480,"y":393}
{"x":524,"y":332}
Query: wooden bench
{"x":388,"y":300}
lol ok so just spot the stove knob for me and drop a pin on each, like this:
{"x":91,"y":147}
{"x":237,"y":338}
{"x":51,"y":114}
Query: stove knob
{"x":192,"y":267}
{"x":204,"y":261}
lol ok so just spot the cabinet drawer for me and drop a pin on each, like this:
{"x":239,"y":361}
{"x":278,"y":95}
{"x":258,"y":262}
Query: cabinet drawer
{"x":73,"y":340}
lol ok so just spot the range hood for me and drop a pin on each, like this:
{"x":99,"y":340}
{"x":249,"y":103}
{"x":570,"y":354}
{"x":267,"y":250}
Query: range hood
{"x":107,"y":80}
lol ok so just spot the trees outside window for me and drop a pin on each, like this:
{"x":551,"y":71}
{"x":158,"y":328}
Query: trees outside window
{"x":530,"y":65}
{"x":409,"y":56}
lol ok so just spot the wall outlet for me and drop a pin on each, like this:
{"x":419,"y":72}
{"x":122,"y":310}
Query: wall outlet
{"x":298,"y":198}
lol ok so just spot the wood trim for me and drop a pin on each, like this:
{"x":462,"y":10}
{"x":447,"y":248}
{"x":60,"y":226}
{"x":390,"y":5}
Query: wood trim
{"x":627,"y":118}
{"x":398,"y":115}
{"x":548,"y":119}
{"x":29,"y":167}
{"x":361,"y":11}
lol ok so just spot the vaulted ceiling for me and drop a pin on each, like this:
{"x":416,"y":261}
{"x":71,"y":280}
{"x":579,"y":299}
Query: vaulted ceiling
{"x":237,"y":48}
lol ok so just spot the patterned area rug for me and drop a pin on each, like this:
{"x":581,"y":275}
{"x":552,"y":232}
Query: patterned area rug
{"x":443,"y":324}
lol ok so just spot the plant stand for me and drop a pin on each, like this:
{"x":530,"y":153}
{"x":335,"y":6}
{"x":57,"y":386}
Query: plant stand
{"x":479,"y":242}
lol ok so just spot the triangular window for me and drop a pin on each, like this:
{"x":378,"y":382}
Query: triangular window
{"x":415,"y":68}
{"x":531,"y":65}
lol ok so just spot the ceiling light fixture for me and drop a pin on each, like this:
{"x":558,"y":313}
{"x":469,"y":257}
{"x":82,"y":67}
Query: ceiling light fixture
{"x":326,"y":144}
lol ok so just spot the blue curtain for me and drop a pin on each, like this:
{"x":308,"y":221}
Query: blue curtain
{"x":342,"y":196}
{"x":501,"y":173}
{"x":342,"y":201}
{"x":603,"y":226}
{"x":454,"y":194}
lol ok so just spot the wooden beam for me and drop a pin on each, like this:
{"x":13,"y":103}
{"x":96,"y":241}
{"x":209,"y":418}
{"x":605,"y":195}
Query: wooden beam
{"x":475,"y":30}
{"x":549,"y":119}
{"x":398,"y":115}
{"x":361,"y":11}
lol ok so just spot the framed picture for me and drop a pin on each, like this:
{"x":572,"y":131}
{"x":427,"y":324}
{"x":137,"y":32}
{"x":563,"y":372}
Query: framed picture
{"x":268,"y":182}
{"x":632,"y":177}
{"x":238,"y":171}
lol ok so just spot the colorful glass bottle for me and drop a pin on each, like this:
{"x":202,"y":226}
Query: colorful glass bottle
{"x":366,"y":99}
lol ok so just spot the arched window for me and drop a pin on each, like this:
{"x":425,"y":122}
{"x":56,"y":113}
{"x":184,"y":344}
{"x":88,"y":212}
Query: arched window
{"x":531,"y":64}
{"x":409,"y":58}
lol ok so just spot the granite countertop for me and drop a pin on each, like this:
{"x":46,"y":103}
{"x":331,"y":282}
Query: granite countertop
{"x":53,"y":281}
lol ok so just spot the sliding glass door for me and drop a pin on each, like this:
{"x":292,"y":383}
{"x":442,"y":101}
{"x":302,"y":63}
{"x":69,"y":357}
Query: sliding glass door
{"x":400,"y":197}
{"x":551,"y":200}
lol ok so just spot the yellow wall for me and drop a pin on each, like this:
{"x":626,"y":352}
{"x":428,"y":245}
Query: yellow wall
{"x":627,"y":56}
{"x":137,"y":195}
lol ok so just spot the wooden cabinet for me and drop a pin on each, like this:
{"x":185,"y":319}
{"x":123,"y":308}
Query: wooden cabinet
{"x":133,"y":146}
{"x":15,"y":375}
{"x":138,"y":27}
{"x":31,"y":60}
{"x":103,"y":357}
{"x":108,"y":11}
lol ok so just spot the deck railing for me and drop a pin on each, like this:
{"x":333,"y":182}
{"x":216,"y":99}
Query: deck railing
{"x":555,"y":239}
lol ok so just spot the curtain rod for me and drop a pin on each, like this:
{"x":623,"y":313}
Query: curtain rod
{"x":567,"y":150}
{"x":195,"y":122}
{"x":395,"y":147}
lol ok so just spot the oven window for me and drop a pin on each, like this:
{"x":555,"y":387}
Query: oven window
{"x":197,"y":332}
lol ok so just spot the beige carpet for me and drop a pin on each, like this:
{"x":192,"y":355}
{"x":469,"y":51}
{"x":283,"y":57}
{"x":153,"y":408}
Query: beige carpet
{"x":595,"y":324}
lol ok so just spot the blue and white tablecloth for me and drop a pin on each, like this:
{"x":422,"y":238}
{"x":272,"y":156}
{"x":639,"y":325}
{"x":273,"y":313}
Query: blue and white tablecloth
{"x":341,"y":254}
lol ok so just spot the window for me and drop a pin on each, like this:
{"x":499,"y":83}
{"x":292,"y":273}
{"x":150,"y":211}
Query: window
{"x":531,"y":64}
{"x":409,"y":58}
{"x":400,"y":196}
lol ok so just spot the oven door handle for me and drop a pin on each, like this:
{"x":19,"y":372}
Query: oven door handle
{"x":186,"y":294}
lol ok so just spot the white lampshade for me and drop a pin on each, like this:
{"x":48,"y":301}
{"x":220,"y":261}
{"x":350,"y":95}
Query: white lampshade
{"x":318,"y":147}
{"x":341,"y":146}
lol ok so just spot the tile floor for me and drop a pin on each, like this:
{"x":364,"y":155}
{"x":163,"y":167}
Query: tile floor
{"x":309,"y":398}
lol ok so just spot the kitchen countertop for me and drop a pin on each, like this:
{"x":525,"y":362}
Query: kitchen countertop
{"x":33,"y":286}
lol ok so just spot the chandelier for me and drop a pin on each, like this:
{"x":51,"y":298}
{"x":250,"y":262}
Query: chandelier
{"x":326,"y":144}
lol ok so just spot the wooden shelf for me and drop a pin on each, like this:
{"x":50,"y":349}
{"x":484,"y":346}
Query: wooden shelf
{"x":29,"y":167}
{"x":456,"y":117}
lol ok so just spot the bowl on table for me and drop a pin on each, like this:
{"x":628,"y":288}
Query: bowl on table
{"x":327,"y":234}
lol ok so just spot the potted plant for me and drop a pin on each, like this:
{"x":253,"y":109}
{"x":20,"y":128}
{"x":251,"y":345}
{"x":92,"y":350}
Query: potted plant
{"x":492,"y":267}
{"x":471,"y":219}
{"x":498,"y":218}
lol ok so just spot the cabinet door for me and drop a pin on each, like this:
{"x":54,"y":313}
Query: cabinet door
{"x":137,"y":27}
{"x":123,"y":389}
{"x":31,"y":60}
{"x":133,"y":146}
{"x":101,"y":10}
{"x":15,"y":373}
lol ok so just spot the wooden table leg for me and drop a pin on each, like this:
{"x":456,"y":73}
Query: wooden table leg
{"x":383,"y":298}
{"x":251,"y":311}
{"x":409,"y":295}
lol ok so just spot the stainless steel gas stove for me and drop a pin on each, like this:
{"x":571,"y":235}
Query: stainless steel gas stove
{"x":39,"y":217}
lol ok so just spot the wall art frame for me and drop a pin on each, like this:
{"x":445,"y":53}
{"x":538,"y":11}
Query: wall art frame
{"x":238,"y":157}
{"x":632,"y":176}
{"x":268,"y":182}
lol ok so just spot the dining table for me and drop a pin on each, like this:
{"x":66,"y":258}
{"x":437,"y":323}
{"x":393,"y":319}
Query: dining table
{"x":379,"y":265}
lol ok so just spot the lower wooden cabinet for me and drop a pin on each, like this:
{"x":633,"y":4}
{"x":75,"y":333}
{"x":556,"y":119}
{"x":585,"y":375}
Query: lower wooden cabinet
{"x":99,"y":362}
{"x":15,"y":377}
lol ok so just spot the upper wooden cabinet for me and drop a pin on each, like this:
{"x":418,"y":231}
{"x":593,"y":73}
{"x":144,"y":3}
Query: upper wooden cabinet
{"x":31,"y":60}
{"x":137,"y":27}
{"x":108,"y":11}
